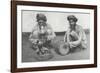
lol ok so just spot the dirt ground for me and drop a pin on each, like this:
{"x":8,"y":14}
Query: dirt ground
{"x":28,"y":52}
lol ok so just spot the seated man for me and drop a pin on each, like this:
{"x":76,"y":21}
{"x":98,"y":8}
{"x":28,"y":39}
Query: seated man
{"x":75,"y":36}
{"x":42,"y":34}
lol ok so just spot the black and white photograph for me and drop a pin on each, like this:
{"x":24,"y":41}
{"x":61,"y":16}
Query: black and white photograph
{"x":55,"y":36}
{"x":50,"y":36}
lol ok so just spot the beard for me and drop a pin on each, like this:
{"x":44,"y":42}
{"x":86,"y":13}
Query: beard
{"x":73,"y":27}
{"x":42,"y":29}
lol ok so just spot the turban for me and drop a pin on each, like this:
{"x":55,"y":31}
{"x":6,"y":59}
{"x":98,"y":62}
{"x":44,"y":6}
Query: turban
{"x":41,"y":17}
{"x":72,"y":17}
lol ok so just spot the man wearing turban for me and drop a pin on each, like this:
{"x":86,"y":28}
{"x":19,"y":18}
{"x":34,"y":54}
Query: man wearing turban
{"x":42,"y":34}
{"x":75,"y":36}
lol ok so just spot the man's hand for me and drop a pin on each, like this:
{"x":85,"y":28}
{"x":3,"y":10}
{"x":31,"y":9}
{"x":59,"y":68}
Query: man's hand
{"x":72,"y":44}
{"x":34,"y":41}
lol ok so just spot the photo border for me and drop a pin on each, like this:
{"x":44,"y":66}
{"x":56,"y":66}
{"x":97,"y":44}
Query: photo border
{"x":46,"y":4}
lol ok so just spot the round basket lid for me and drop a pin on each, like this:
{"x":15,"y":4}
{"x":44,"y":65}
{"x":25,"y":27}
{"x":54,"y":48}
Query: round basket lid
{"x":63,"y":49}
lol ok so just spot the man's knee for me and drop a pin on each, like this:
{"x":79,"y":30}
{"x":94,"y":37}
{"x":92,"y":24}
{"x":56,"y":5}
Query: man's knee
{"x":35,"y":34}
{"x":74,"y":35}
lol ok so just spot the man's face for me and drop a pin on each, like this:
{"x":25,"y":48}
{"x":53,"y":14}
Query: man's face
{"x":41,"y":22}
{"x":71,"y":22}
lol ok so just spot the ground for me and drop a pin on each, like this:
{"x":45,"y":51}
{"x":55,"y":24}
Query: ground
{"x":28,"y":52}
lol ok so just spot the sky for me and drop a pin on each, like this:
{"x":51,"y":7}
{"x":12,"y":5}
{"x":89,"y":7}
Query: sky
{"x":57,"y":20}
